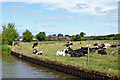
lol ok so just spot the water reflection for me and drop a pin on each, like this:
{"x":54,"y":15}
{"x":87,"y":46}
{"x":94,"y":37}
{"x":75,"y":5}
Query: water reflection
{"x":13,"y":67}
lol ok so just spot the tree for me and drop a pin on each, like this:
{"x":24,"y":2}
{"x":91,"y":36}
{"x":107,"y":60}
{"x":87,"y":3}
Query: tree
{"x":60,"y":34}
{"x":77,"y":38}
{"x":28,"y":37}
{"x":9,"y":34}
{"x":41,"y":36}
{"x":66,"y":35}
{"x":82,"y":34}
{"x":117,"y":36}
{"x":72,"y":38}
{"x":54,"y":35}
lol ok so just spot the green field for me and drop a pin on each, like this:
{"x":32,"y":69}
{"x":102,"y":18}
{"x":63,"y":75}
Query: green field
{"x":97,"y":62}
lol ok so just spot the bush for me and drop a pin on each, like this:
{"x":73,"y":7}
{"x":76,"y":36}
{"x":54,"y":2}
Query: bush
{"x":6,"y":49}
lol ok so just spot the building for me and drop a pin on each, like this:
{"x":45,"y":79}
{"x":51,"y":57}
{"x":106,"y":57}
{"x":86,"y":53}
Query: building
{"x":63,"y":37}
{"x":20,"y":38}
{"x":52,"y":37}
{"x":34,"y":38}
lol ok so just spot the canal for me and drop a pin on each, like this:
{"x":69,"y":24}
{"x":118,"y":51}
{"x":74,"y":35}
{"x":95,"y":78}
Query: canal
{"x":13,"y":67}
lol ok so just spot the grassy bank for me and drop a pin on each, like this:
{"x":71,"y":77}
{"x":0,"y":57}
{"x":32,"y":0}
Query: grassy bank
{"x":98,"y":63}
{"x":6,"y":48}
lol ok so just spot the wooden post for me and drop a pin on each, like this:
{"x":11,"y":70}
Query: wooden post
{"x":88,"y":57}
{"x":55,"y":50}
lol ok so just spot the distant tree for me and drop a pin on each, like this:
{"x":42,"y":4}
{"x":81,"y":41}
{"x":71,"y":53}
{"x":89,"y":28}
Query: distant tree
{"x":28,"y":37}
{"x":82,"y":34}
{"x":66,"y":35}
{"x":72,"y":38}
{"x":9,"y":34}
{"x":77,"y":38}
{"x":117,"y":36}
{"x":41,"y":36}
{"x":59,"y":39}
{"x":60,"y":34}
{"x":54,"y":35}
{"x":83,"y":38}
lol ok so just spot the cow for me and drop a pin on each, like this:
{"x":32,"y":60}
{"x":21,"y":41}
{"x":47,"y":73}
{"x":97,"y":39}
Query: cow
{"x":79,"y":52}
{"x":106,"y":45}
{"x":95,"y":44}
{"x":16,"y":43}
{"x":62,"y":52}
{"x":37,"y":52}
{"x":102,"y":51}
{"x":35,"y":44}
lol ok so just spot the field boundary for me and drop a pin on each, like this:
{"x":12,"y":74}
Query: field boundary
{"x":85,"y":74}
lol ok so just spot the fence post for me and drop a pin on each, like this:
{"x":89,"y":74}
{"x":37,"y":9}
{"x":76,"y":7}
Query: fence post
{"x":55,"y":50}
{"x":88,"y":57}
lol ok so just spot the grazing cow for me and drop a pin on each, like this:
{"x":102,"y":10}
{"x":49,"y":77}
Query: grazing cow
{"x":35,"y":44}
{"x":102,"y":51}
{"x":68,"y":44}
{"x":37,"y":52}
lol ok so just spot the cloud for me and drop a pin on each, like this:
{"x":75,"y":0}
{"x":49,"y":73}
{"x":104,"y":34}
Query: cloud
{"x":46,"y":26}
{"x":54,"y":18}
{"x":16,"y":9}
{"x":70,"y":17}
{"x":96,"y":7}
{"x":34,"y":12}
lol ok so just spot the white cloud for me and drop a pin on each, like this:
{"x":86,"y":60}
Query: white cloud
{"x":70,"y":17}
{"x":54,"y":18}
{"x":34,"y":12}
{"x":96,"y":7}
{"x":16,"y":9}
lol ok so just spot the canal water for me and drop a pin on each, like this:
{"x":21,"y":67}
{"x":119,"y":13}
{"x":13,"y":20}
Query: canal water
{"x":13,"y":67}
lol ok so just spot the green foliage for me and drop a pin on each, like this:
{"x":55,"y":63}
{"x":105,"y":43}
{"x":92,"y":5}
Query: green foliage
{"x":9,"y":34}
{"x":60,"y":34}
{"x":72,"y":38}
{"x":76,"y":38}
{"x":83,"y":38}
{"x":82,"y":34}
{"x":6,"y":49}
{"x":54,"y":35}
{"x":41,"y":36}
{"x":59,"y":39}
{"x":28,"y":37}
{"x":117,"y":37}
{"x":67,"y":36}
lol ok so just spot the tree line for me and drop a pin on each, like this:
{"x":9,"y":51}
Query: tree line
{"x":9,"y":34}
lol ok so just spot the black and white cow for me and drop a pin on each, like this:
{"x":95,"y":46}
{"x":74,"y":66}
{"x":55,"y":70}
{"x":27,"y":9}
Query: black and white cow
{"x":37,"y":52}
{"x":35,"y":44}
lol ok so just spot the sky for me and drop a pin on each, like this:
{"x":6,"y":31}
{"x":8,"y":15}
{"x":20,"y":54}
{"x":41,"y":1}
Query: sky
{"x":70,"y":17}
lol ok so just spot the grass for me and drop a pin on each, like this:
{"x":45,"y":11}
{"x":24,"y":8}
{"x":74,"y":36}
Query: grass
{"x":98,"y":63}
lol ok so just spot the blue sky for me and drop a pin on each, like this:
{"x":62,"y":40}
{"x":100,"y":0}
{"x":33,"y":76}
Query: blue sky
{"x":62,"y":16}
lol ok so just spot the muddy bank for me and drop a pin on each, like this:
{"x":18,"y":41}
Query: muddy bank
{"x":85,"y":74}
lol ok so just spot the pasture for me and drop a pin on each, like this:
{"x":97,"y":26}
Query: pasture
{"x":97,"y":62}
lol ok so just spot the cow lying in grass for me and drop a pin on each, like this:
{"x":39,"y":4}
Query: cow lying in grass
{"x":62,"y":52}
{"x":65,"y":51}
{"x":102,"y":51}
{"x":37,"y":52}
